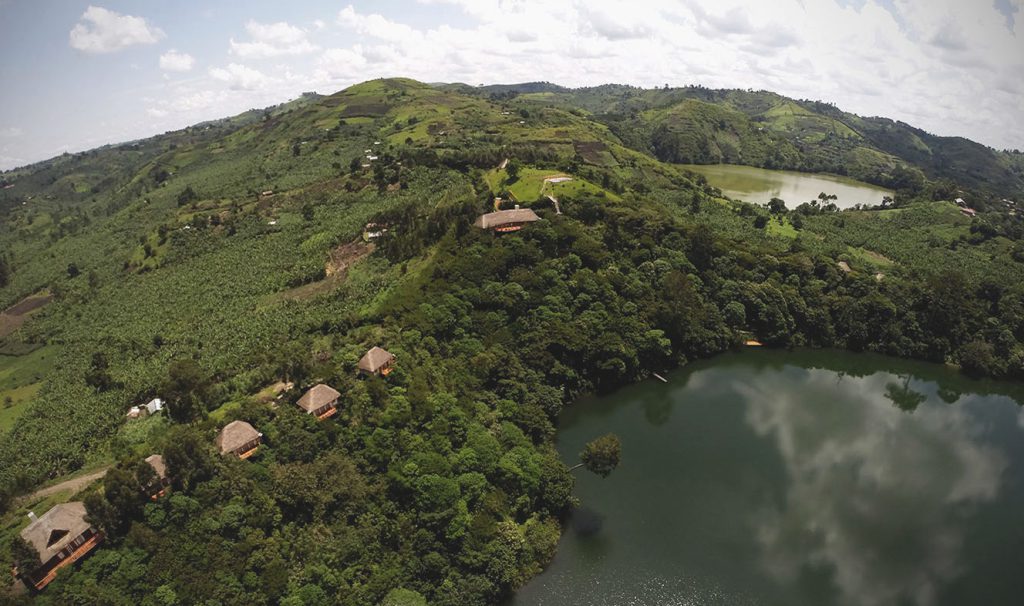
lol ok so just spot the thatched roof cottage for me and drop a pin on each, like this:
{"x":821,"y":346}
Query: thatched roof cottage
{"x":156,"y":489}
{"x":506,"y":220}
{"x":321,"y":400}
{"x":238,"y":438}
{"x":61,"y":536}
{"x":377,"y":361}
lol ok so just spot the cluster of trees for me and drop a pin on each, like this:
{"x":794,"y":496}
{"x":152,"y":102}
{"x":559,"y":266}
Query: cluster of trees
{"x":5,"y":270}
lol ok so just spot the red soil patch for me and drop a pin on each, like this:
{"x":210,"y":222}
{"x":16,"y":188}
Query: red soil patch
{"x":341,"y":258}
{"x":14,"y":316}
{"x":28,"y":304}
{"x":344,"y":256}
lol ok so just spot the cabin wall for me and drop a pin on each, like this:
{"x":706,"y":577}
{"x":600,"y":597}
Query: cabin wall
{"x":76,"y":549}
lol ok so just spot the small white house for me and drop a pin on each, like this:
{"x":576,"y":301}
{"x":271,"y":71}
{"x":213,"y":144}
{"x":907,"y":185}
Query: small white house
{"x":134,"y":412}
{"x":154,"y":406}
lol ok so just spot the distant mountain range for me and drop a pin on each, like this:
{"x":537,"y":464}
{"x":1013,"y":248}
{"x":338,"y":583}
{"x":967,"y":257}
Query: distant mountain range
{"x":758,"y":128}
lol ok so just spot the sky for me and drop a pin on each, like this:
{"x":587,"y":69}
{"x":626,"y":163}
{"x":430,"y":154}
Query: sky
{"x":76,"y":75}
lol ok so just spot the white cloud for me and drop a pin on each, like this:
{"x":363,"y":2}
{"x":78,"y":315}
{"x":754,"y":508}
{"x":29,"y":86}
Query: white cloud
{"x":375,"y":25}
{"x":185,"y":101}
{"x":340,"y":64}
{"x":104,"y":31}
{"x":173,"y":61}
{"x":11,"y":132}
{"x":11,"y":161}
{"x":947,"y":66}
{"x":239,"y":77}
{"x":272,"y":40}
{"x":951,"y":67}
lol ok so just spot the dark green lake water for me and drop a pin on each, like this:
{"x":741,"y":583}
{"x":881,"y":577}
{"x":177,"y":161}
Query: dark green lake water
{"x":797,"y":478}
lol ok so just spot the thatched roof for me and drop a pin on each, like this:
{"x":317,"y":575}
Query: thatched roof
{"x":317,"y":397}
{"x":505,"y":217}
{"x":55,"y":529}
{"x":157,"y":463}
{"x":375,"y":359}
{"x":235,"y":435}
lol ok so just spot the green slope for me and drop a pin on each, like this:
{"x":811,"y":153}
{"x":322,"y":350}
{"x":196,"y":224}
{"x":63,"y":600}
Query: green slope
{"x":441,"y":480}
{"x":704,"y":125}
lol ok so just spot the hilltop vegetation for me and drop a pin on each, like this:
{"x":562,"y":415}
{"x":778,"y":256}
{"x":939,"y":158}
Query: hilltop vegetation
{"x":209,"y":264}
{"x":706,"y":126}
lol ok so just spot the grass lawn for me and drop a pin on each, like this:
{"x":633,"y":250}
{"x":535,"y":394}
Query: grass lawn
{"x":869,"y":257}
{"x":19,"y":397}
{"x":223,"y":410}
{"x":20,"y":380}
{"x":530,"y":185}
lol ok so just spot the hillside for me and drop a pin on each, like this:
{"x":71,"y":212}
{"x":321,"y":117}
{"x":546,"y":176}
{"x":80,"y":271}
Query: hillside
{"x":707,"y":126}
{"x":230,"y":266}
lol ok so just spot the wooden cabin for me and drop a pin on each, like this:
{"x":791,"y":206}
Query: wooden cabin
{"x":158,"y":487}
{"x":503,"y":221}
{"x":239,"y":439}
{"x":377,"y":361}
{"x":61,"y":536}
{"x":321,"y":401}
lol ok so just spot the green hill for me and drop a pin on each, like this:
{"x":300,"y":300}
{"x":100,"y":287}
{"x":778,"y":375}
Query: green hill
{"x":700,"y":125}
{"x":225,"y":263}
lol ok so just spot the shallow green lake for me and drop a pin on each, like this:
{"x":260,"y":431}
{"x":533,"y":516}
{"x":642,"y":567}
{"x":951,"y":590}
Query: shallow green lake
{"x":759,"y":185}
{"x":797,"y":478}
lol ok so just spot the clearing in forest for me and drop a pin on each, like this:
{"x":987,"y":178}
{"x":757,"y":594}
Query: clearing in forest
{"x":534,"y":183}
{"x":338,"y":262}
{"x":21,"y":377}
{"x":14,"y":316}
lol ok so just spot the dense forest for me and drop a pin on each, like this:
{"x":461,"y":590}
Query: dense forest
{"x":229,"y":267}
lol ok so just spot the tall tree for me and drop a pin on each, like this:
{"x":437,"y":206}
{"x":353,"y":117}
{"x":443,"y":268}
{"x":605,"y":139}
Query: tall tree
{"x":602,"y":455}
{"x":5,"y":270}
{"x":186,"y":391}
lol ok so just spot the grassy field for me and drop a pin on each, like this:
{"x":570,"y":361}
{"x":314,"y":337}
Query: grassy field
{"x":530,"y":185}
{"x":870,"y":257}
{"x":20,"y":380}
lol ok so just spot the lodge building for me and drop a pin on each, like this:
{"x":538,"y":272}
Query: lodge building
{"x":158,"y":487}
{"x":239,"y":439}
{"x":377,"y":361}
{"x":320,"y":401}
{"x":503,"y":221}
{"x":61,"y":536}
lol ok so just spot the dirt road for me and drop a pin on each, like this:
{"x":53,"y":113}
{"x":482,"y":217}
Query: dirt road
{"x":72,"y":486}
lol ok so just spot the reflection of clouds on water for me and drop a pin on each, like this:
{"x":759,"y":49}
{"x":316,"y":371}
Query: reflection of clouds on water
{"x":875,"y":495}
{"x":599,"y":590}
